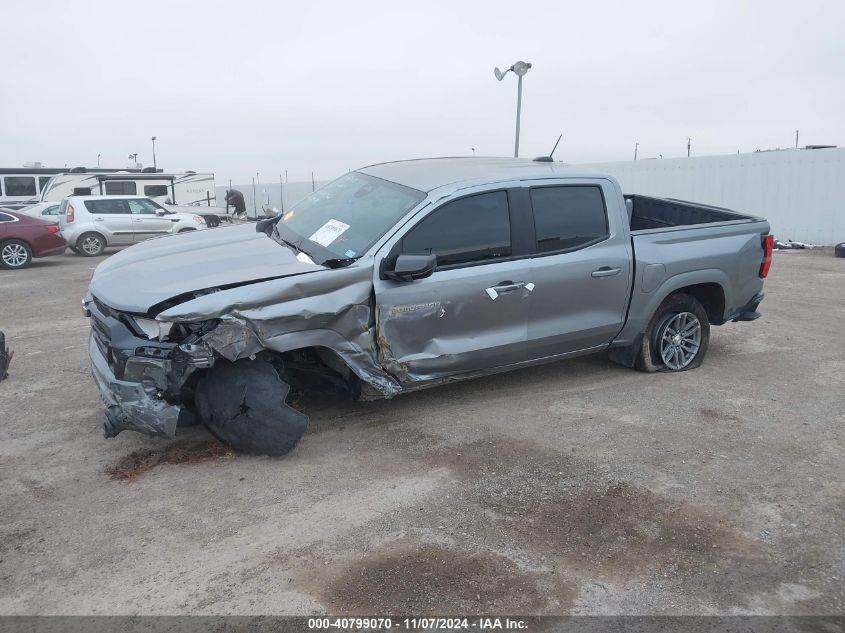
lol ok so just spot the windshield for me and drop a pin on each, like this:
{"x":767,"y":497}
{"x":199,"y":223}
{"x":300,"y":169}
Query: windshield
{"x":348,"y":215}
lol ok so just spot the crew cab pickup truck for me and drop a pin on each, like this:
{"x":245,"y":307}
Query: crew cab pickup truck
{"x":405,"y":275}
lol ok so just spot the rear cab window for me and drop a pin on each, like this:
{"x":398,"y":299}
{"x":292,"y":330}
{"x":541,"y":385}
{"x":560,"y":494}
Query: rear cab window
{"x":468,"y":230}
{"x":568,"y":217}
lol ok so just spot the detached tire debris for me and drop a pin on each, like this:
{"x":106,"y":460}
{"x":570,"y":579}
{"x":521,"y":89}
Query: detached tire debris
{"x":243,"y":404}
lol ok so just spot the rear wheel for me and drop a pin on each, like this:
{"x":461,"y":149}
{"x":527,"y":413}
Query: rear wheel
{"x":15,"y":254}
{"x":90,"y":244}
{"x":243,"y":404}
{"x":677,"y":336}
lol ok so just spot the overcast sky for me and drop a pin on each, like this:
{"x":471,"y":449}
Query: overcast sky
{"x":244,"y":87}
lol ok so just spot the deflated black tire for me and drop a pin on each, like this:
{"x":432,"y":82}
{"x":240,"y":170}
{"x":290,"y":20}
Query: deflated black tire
{"x":243,"y":404}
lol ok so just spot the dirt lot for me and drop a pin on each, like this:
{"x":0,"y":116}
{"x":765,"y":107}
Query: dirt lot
{"x":577,"y":487}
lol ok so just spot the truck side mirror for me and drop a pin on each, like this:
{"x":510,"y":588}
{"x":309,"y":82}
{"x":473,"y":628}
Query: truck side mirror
{"x":411,"y":267}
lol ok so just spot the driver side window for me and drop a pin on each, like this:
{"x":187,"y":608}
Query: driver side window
{"x":468,"y":230}
{"x":142,"y":207}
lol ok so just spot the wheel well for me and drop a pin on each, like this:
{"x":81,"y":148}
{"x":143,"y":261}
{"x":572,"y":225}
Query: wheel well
{"x":97,"y":233}
{"x":712,"y":297}
{"x":18,"y":239}
{"x":319,"y":368}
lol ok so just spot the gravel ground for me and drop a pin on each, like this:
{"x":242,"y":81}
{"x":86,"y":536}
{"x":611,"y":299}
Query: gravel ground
{"x":577,"y":487}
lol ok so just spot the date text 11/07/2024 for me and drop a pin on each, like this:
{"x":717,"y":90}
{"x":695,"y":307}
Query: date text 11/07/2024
{"x":418,"y":624}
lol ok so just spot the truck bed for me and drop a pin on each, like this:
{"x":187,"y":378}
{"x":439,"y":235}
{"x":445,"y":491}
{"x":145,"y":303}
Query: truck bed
{"x":647,"y":213}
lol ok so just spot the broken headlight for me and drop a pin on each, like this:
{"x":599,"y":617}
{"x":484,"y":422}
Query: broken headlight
{"x":152,"y":329}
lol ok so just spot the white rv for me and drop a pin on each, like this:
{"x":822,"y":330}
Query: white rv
{"x":177,"y":190}
{"x":22,"y":186}
{"x":188,"y":188}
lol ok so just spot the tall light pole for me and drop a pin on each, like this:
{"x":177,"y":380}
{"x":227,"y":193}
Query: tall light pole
{"x":519,"y":69}
{"x":636,"y":147}
{"x":98,"y":160}
{"x":154,"y":153}
{"x":689,"y":145}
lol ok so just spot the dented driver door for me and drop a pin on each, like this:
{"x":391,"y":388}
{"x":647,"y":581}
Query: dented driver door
{"x":471,"y":314}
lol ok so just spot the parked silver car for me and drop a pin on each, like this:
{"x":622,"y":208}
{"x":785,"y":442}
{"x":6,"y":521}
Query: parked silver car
{"x":91,"y":223}
{"x":406,"y":275}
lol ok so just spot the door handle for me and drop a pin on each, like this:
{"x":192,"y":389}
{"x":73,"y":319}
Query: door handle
{"x":606,"y":271}
{"x":507,"y":286}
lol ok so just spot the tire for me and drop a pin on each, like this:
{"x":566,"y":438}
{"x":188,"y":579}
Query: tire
{"x":15,"y":254}
{"x":661,"y":351}
{"x":839,"y":250}
{"x":90,"y":244}
{"x":243,"y":405}
{"x":211,"y":221}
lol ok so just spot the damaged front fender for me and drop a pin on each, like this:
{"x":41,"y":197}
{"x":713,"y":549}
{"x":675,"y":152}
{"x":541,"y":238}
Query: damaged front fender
{"x":332,"y":309}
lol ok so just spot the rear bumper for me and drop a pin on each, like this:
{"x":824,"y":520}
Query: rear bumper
{"x":749,"y":311}
{"x":58,"y":250}
{"x":131,"y":406}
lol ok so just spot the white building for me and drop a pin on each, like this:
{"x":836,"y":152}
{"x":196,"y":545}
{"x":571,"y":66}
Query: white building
{"x":800,"y":191}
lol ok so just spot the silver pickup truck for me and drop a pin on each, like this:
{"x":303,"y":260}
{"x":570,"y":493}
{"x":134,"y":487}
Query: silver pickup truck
{"x":406,"y":275}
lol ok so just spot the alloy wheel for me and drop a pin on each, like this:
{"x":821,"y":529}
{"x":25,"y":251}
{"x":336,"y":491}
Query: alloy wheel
{"x":14,"y":255}
{"x":679,"y":340}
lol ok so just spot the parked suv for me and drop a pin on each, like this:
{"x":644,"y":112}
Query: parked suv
{"x":90,"y":223}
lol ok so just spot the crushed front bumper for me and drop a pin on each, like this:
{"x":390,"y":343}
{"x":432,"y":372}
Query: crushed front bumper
{"x":131,"y":406}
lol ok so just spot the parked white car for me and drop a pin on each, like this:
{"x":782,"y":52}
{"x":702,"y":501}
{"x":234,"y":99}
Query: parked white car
{"x":91,"y":223}
{"x":44,"y":210}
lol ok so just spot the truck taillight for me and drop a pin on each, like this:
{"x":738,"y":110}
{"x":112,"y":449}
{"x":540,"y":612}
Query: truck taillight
{"x":768,"y":245}
{"x":69,"y":213}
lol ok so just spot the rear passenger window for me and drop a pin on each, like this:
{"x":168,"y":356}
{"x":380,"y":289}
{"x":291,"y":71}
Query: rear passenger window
{"x":471,"y":229}
{"x":121,"y":189}
{"x":110,"y":207}
{"x":20,"y":185}
{"x":568,"y":217}
{"x":155,"y":191}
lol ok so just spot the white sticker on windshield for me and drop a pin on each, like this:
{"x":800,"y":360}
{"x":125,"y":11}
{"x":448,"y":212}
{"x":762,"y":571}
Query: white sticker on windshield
{"x":329,"y":232}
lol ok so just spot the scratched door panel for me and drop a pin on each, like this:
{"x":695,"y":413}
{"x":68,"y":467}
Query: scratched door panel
{"x":449,"y":323}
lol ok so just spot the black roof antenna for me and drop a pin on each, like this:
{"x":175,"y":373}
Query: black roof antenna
{"x":549,"y":158}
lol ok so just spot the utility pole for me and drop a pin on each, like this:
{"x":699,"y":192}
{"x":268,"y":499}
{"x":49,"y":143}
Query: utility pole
{"x":312,"y":182}
{"x":796,"y":139}
{"x":254,"y":211}
{"x":154,"y":154}
{"x":98,"y":160}
{"x":519,"y":69}
{"x":689,"y":145}
{"x":281,"y":193}
{"x":636,"y":147}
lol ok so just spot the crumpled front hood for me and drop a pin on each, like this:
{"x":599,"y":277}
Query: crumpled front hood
{"x":150,"y":272}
